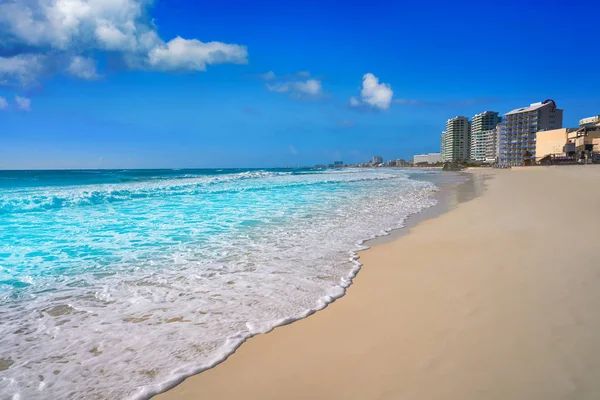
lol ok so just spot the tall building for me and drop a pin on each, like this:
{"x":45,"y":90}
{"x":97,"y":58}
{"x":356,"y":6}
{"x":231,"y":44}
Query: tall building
{"x":456,"y":140}
{"x":483,"y":136}
{"x":377,"y":160}
{"x":442,"y":145}
{"x":519,"y":129}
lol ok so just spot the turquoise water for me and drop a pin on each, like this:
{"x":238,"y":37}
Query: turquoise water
{"x":116,"y":284}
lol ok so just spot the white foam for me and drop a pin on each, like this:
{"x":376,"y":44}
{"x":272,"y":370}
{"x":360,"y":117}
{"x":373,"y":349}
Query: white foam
{"x":126,"y":320}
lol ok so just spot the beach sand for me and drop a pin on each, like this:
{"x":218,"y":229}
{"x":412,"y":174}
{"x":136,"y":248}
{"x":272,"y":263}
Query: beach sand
{"x":498,"y":298}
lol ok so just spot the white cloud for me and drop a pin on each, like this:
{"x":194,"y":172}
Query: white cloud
{"x":69,"y":28}
{"x":373,"y":93}
{"x":82,"y":67}
{"x":268,"y":76}
{"x":194,"y":55}
{"x":3,"y":103}
{"x":23,"y":69}
{"x":23,"y":103}
{"x":311,"y":87}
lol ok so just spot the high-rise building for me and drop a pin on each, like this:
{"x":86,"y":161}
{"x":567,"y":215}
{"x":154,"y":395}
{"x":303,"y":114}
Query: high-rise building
{"x":483,"y":136}
{"x":443,"y":145}
{"x":456,"y":139}
{"x":377,"y":160}
{"x":519,"y":129}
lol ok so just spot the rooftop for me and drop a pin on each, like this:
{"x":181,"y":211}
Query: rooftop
{"x":532,"y":107}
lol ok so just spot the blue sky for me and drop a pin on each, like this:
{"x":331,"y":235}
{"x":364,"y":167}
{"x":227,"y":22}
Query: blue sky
{"x":151,"y":84}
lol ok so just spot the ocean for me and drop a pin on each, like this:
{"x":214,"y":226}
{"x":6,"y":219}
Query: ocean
{"x":118,"y":284}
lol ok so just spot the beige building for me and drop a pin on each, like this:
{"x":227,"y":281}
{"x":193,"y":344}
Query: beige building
{"x":552,"y":142}
{"x":586,"y":139}
{"x":583,"y":140}
{"x":589,"y":121}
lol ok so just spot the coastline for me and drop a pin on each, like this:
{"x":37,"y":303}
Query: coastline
{"x":462,"y":187}
{"x":493,"y":308}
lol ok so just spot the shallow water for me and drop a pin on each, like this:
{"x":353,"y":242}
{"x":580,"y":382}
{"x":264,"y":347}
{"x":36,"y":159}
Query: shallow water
{"x":116,"y":284}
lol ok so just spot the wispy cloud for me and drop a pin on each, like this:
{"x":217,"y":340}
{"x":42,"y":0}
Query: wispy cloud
{"x":293,"y":150}
{"x":82,"y":67}
{"x":3,"y":103}
{"x":299,"y":85}
{"x":23,"y":103}
{"x":268,"y":76}
{"x":311,"y":87}
{"x":22,"y":69}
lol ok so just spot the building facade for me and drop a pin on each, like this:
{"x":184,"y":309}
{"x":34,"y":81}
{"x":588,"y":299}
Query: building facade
{"x":419,"y":158}
{"x":431,"y":158}
{"x":456,"y":140}
{"x":377,"y":160}
{"x":552,"y":142}
{"x":484,"y":137}
{"x":434,"y":158}
{"x":520,"y":127}
{"x":442,"y":145}
{"x":589,"y":121}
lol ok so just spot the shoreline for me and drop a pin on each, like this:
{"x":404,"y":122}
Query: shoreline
{"x":485,"y":301}
{"x":448,"y":197}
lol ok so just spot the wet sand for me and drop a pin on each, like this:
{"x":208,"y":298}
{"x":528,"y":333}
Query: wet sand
{"x":496,"y":299}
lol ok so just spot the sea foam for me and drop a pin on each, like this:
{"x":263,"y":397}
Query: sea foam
{"x":120,"y":289}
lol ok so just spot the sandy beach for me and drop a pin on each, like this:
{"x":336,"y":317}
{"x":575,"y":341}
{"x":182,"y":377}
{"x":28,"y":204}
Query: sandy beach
{"x":496,"y":299}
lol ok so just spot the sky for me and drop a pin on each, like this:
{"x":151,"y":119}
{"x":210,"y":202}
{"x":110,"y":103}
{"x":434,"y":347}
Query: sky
{"x":212,"y":84}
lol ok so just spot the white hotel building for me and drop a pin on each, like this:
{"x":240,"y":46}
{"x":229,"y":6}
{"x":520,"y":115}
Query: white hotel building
{"x":484,"y":140}
{"x":519,"y":129}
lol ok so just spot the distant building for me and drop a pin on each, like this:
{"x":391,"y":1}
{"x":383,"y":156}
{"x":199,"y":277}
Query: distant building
{"x":391,"y":163}
{"x":338,"y":164}
{"x":431,"y":158}
{"x":456,"y":139}
{"x":519,"y":129}
{"x":402,"y":163}
{"x":590,"y":121}
{"x":377,"y":160}
{"x":420,"y":158}
{"x":434,"y":158}
{"x":484,"y":137}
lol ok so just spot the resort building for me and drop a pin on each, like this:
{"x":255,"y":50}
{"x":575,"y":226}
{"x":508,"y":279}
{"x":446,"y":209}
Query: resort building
{"x":552,"y":142}
{"x":587,"y":141}
{"x":519,"y":129}
{"x":589,"y":121}
{"x":442,"y":145}
{"x":431,"y":158}
{"x":420,"y":158}
{"x":456,"y":140}
{"x":377,"y":160}
{"x":484,"y":138}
